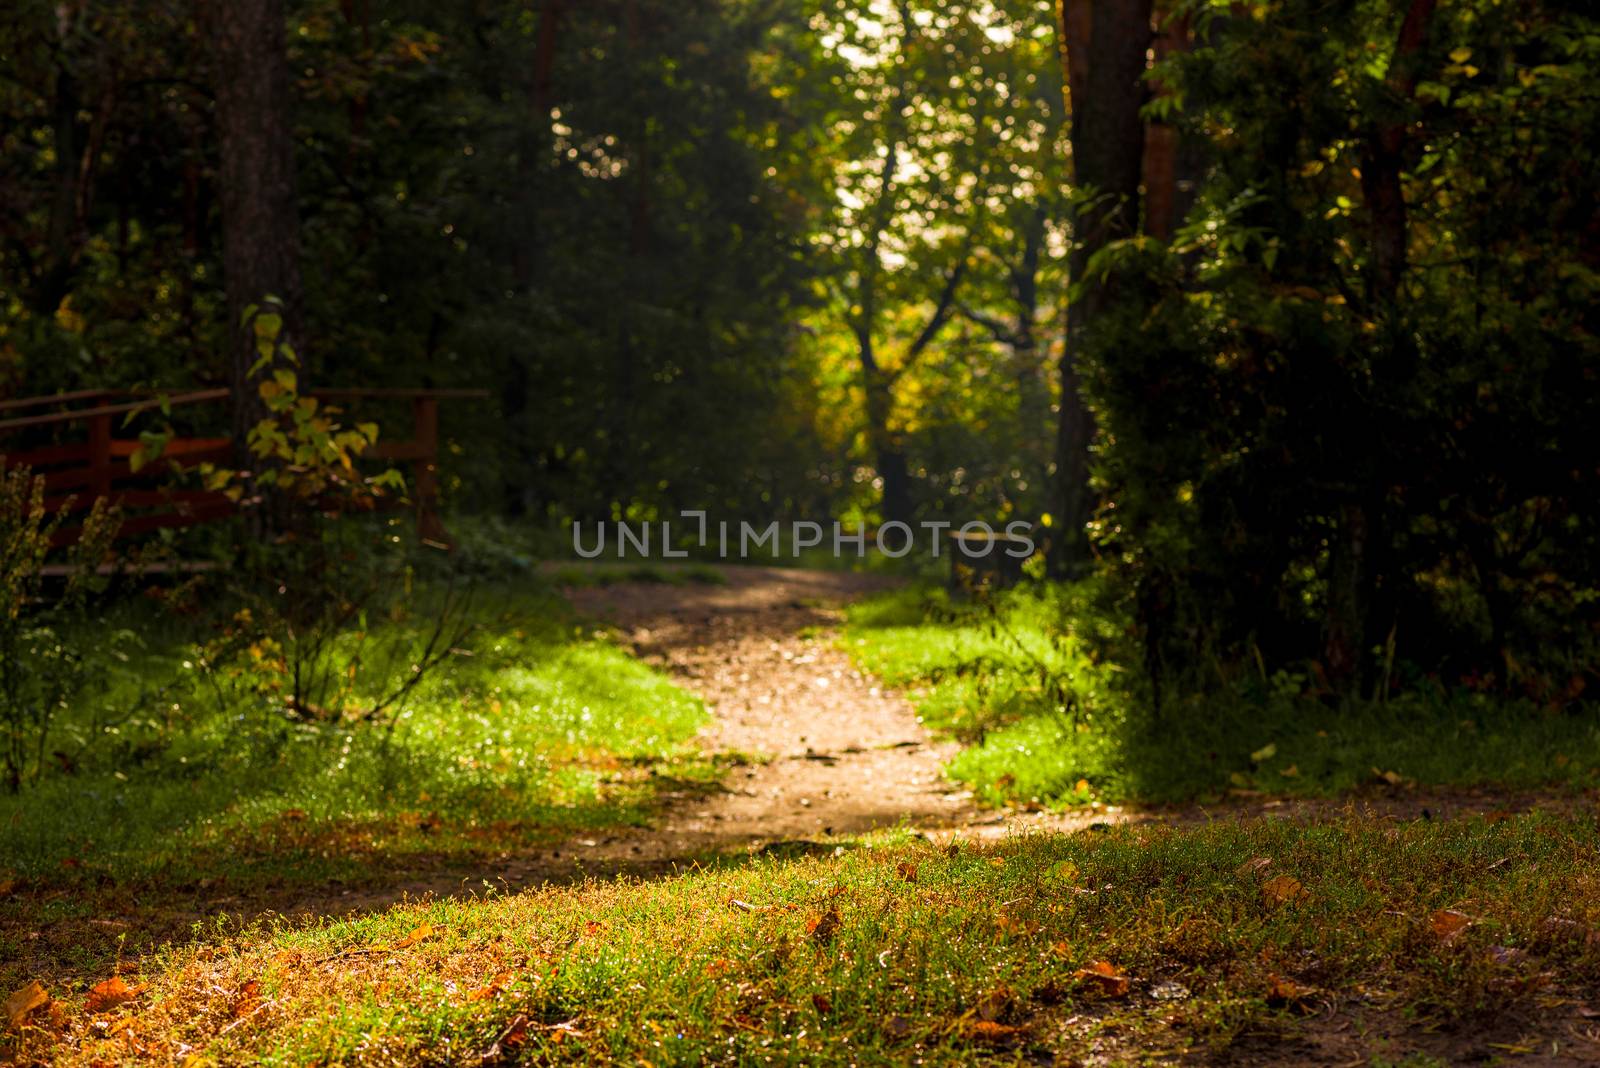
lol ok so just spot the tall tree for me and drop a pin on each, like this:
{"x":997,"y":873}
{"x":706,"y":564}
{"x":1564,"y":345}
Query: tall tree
{"x":260,"y":227}
{"x":1103,"y":46}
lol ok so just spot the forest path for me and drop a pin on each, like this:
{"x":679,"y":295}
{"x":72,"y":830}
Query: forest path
{"x":819,"y":747}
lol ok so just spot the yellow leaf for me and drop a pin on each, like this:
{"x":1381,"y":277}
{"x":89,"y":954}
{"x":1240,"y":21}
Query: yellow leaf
{"x":24,"y":1001}
{"x":1460,"y":55}
{"x":1281,"y":889}
{"x":1065,"y":871}
{"x":1264,"y":754}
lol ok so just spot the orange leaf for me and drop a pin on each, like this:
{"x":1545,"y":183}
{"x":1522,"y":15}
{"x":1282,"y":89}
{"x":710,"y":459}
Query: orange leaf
{"x":111,"y":993}
{"x":1105,"y":978}
{"x":417,"y":935}
{"x":497,"y":984}
{"x":824,"y":927}
{"x":987,"y":1031}
{"x":1446,"y":924}
{"x":24,"y":1001}
{"x":907,"y":871}
{"x":1281,"y":889}
{"x":1282,"y":992}
{"x":249,"y":996}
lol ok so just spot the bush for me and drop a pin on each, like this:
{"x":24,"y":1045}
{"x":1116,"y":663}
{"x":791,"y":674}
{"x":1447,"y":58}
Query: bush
{"x":45,"y":659}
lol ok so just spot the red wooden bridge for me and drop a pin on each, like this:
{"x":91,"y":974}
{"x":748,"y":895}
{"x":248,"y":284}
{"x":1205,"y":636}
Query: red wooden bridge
{"x":76,"y":449}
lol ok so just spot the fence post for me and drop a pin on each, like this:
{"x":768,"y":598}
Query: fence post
{"x":425,"y":469}
{"x":100,"y":456}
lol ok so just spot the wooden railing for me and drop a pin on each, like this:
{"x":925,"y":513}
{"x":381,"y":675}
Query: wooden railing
{"x":79,"y":472}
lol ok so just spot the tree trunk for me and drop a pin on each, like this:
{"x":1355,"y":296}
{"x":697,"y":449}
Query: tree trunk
{"x":1359,"y":534}
{"x":1103,"y":47}
{"x":260,"y":230}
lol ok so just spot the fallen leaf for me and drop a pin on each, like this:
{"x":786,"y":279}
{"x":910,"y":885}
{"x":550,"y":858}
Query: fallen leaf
{"x":1446,"y":924}
{"x":1254,"y":865}
{"x":1506,"y":956}
{"x":1065,"y":871}
{"x":1282,"y":889}
{"x":24,"y":1001}
{"x":246,"y":1000}
{"x":991,"y":1033}
{"x":822,"y":1003}
{"x":1282,"y":992}
{"x":824,"y":927}
{"x":1291,"y":771}
{"x":110,"y":994}
{"x":994,"y":1005}
{"x":1103,"y":976}
{"x":1082,"y":786}
{"x":907,"y":871}
{"x":417,"y":934}
{"x":493,"y":989}
{"x":1264,"y":754}
{"x":294,"y":813}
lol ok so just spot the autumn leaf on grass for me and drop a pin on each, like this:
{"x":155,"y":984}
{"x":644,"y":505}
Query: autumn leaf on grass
{"x":1286,"y":993}
{"x":1282,"y":889}
{"x":24,"y":1001}
{"x":1254,"y":865}
{"x":1447,"y":924}
{"x":111,"y":993}
{"x":822,"y":1003}
{"x":989,"y":1033}
{"x":419,"y":933}
{"x":247,"y":1000}
{"x":824,"y":927}
{"x":907,"y":871}
{"x":995,"y":1004}
{"x":493,"y":989}
{"x":1104,"y":977}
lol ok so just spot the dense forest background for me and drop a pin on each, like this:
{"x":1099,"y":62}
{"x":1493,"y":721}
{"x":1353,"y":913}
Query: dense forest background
{"x":1280,"y":315}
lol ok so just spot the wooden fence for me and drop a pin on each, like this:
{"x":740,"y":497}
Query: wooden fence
{"x":81,"y":458}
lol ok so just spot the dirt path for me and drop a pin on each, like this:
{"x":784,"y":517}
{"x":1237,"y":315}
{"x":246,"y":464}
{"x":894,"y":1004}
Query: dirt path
{"x":830,"y":751}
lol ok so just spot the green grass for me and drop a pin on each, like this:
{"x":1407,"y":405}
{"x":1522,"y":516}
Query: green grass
{"x":1048,"y":717}
{"x":895,"y":951}
{"x":539,"y":729}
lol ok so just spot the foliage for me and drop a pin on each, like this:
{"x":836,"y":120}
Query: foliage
{"x":1290,"y":436}
{"x":327,"y":625}
{"x":45,"y":659}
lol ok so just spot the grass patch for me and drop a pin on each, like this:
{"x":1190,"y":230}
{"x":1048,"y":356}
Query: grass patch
{"x":540,"y":729}
{"x":1048,"y":718}
{"x":1127,"y":943}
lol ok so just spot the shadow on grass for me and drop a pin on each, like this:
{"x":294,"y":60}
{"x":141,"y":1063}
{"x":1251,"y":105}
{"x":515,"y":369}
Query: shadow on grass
{"x":1050,"y":718}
